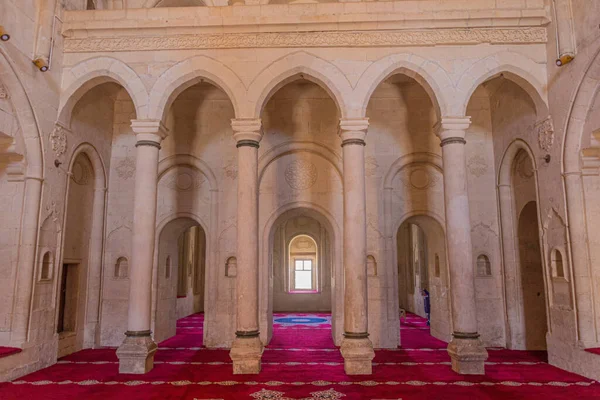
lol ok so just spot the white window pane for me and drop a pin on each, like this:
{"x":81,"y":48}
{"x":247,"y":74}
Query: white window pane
{"x":298,"y":265}
{"x":303,"y":280}
{"x":308,"y":265}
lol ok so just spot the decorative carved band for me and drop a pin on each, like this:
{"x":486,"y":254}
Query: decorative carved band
{"x":247,"y":334}
{"x":138,"y":333}
{"x":429,"y":37}
{"x":451,"y":140}
{"x":250,"y":143}
{"x":147,"y":143}
{"x":353,"y":141}
{"x":356,"y":335}
{"x":466,"y":335}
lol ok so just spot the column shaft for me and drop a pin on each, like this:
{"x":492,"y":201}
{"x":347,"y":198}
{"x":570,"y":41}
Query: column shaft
{"x":144,"y":231}
{"x":356,"y":347}
{"x":247,"y":240}
{"x":136,"y":354}
{"x":246,"y":350}
{"x":466,"y":350}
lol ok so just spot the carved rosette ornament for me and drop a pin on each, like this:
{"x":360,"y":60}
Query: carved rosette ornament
{"x":477,"y":166}
{"x":58,"y":140}
{"x":545,"y":133}
{"x":301,"y":174}
{"x":126,"y":168}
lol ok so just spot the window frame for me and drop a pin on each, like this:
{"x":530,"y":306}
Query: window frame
{"x":312,"y":257}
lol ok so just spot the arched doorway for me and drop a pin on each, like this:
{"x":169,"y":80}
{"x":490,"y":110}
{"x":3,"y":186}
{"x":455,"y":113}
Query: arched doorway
{"x":180,"y":275}
{"x":80,"y":256}
{"x":421,"y":250}
{"x":301,"y":248}
{"x":524,"y":276}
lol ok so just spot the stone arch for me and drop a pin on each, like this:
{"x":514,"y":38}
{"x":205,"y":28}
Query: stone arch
{"x":266,"y":233}
{"x":93,"y":72}
{"x":509,"y":220}
{"x":96,"y":242}
{"x":515,"y":67}
{"x":189,"y":72}
{"x":28,"y":122}
{"x":587,"y":90}
{"x":292,"y":147}
{"x":97,"y":163}
{"x":411,"y":159}
{"x":178,"y":160}
{"x":431,"y":76}
{"x":298,"y":65}
{"x":505,"y":170}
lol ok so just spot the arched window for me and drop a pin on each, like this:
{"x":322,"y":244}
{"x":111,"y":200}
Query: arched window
{"x":168,"y":268}
{"x":484,"y":267}
{"x":121,"y":268}
{"x":558,"y":269}
{"x":303,"y":264}
{"x":436,"y":267}
{"x":46,"y":272}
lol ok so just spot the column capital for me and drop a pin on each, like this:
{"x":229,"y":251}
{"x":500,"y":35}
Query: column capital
{"x":247,"y":131}
{"x":450,"y":129}
{"x":353,"y":131}
{"x":149,"y":131}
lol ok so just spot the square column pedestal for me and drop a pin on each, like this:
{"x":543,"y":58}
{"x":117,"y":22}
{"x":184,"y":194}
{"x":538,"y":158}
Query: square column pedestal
{"x":136,"y":354}
{"x":246,"y":353}
{"x":358,"y":355}
{"x":468,"y":354}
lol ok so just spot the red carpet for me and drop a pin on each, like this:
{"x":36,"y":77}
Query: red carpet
{"x":595,"y":350}
{"x":8,"y":351}
{"x":301,"y":363}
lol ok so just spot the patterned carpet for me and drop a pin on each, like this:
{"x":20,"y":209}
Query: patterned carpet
{"x":301,"y":363}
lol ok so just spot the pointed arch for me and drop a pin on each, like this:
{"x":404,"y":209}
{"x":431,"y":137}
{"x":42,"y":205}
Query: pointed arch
{"x":430,"y":75}
{"x":299,"y":65}
{"x":93,"y":72}
{"x":515,"y":67}
{"x":186,"y":74}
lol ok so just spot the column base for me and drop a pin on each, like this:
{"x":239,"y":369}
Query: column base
{"x":468,"y":354}
{"x":136,"y":354}
{"x":358,"y":355}
{"x":246,"y":353}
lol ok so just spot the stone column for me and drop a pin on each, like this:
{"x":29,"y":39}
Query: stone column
{"x":356,"y":347}
{"x":136,"y":354}
{"x":246,"y":350}
{"x":466,"y":350}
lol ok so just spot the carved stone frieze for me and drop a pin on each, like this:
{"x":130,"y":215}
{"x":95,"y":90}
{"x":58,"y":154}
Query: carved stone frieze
{"x":428,"y":37}
{"x":545,"y":134}
{"x":58,"y":140}
{"x":301,"y":174}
